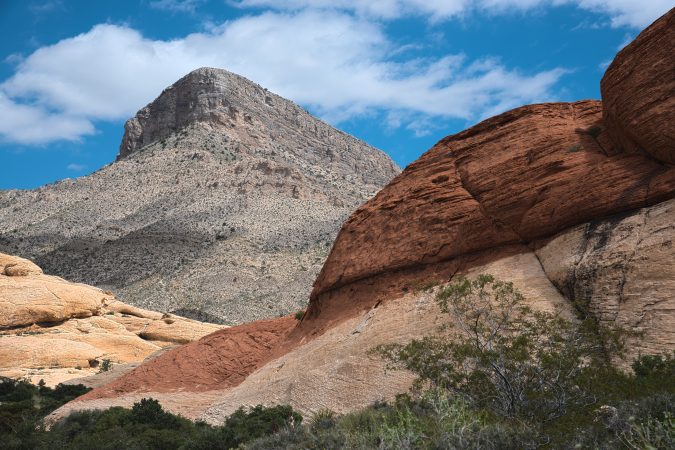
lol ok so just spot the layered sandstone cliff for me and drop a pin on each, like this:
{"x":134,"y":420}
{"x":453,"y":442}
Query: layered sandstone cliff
{"x":55,"y":330}
{"x":638,"y":92}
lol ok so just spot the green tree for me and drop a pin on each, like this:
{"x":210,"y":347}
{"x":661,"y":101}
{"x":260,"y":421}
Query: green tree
{"x":504,"y":356}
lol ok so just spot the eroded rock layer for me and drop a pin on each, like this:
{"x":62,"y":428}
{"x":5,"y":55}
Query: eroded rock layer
{"x":523,"y":175}
{"x":55,"y":330}
{"x":638,"y":91}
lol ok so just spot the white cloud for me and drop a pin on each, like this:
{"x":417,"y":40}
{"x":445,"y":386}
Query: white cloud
{"x":31,"y":124}
{"x":176,"y":6}
{"x":632,"y":13}
{"x":338,"y":64}
{"x":75,"y":167}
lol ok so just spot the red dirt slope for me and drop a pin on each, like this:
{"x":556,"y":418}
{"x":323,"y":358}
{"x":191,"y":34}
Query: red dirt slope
{"x":220,"y":360}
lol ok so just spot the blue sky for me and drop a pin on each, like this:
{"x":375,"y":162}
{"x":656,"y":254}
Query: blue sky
{"x":400,"y":74}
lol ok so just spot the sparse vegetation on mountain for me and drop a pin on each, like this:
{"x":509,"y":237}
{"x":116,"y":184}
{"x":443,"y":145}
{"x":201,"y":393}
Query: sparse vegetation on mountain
{"x":220,"y":206}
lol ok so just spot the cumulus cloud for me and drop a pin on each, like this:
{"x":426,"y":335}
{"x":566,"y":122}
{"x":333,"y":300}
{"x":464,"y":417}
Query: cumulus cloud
{"x":630,"y":13}
{"x":338,"y":64}
{"x":33,"y":124}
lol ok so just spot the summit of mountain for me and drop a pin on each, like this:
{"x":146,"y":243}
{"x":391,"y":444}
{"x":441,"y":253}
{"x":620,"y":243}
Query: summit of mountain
{"x":221,"y":206}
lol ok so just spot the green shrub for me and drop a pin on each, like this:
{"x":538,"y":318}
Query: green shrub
{"x":536,"y":369}
{"x":503,"y":356}
{"x":145,"y":426}
{"x":106,"y":365}
{"x":299,"y":315}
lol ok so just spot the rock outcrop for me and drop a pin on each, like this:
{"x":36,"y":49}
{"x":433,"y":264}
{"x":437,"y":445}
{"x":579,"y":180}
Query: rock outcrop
{"x":55,"y":330}
{"x":638,"y":91}
{"x":543,"y":196}
{"x":333,"y":370}
{"x":221,"y":207}
{"x":514,"y":178}
{"x":621,"y":270}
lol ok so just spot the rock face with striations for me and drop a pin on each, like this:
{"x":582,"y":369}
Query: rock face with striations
{"x":56,"y":330}
{"x":638,"y":91}
{"x":222,"y":205}
{"x":514,"y":178}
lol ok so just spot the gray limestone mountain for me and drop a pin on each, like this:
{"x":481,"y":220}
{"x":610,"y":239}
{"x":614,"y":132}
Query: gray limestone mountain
{"x":222,"y":205}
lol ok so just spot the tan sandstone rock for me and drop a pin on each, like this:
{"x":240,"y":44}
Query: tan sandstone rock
{"x":13,"y":266}
{"x":29,"y":297}
{"x":55,"y":330}
{"x":622,"y":271}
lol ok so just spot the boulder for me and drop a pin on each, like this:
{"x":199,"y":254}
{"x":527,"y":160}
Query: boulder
{"x":13,"y":266}
{"x":41,"y":298}
{"x":638,"y":92}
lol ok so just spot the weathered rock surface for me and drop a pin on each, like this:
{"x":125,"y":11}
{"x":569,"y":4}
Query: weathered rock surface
{"x":522,"y":175}
{"x":638,"y":91}
{"x":54,"y":330}
{"x":622,"y":271}
{"x":332,"y":371}
{"x":220,"y":360}
{"x":13,"y":266}
{"x":36,"y":298}
{"x":222,"y":206}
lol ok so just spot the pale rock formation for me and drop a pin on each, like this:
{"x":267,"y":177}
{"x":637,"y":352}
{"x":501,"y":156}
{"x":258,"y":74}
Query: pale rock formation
{"x":622,"y":271}
{"x":55,"y":330}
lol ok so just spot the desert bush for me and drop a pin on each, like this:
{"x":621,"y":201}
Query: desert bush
{"x":501,"y":354}
{"x":145,"y":426}
{"x":106,"y":365}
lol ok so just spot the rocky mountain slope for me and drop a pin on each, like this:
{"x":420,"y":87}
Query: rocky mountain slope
{"x":222,"y":204}
{"x":55,"y":330}
{"x":545,"y":196}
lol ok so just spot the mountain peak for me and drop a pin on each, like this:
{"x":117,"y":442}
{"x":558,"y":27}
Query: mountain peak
{"x":207,"y":94}
{"x":204,"y":95}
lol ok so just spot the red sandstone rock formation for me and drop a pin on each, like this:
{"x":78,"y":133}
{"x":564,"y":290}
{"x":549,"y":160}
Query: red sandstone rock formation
{"x":520,"y":176}
{"x":638,"y":91}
